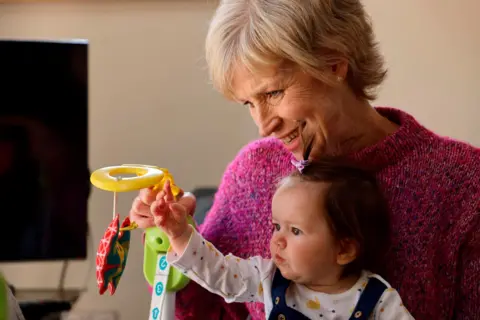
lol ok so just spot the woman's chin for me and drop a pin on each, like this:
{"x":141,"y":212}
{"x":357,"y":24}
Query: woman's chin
{"x":298,"y":155}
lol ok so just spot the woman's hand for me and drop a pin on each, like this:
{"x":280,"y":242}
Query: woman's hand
{"x":141,"y":206}
{"x":171,"y":217}
{"x":140,"y":211}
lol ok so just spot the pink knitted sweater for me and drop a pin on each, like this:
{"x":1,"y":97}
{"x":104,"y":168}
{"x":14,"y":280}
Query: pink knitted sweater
{"x":433,"y":187}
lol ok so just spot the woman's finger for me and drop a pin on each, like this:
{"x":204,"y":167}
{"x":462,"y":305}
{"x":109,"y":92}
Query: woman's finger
{"x":140,"y":208}
{"x":148,"y":195}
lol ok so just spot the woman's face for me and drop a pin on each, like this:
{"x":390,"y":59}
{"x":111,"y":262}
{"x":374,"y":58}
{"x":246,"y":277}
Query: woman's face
{"x":288,"y":104}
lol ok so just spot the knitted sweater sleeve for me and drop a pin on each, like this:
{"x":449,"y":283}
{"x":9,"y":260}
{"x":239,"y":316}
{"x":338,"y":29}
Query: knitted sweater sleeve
{"x":194,"y":300}
{"x":468,"y":297}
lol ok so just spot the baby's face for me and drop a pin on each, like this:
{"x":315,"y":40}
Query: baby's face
{"x":302,"y":244}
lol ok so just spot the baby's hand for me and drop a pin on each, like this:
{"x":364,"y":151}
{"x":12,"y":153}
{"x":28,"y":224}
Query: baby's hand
{"x":171,"y":217}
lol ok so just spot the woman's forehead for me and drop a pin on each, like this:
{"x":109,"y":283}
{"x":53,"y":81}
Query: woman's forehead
{"x":247,"y":84}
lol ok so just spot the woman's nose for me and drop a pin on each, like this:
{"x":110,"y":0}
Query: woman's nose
{"x":266,"y":121}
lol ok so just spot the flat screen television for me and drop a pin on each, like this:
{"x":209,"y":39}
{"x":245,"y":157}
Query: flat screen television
{"x":44,"y":172}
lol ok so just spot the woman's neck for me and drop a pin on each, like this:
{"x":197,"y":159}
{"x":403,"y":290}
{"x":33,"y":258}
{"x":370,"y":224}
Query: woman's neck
{"x":359,"y":127}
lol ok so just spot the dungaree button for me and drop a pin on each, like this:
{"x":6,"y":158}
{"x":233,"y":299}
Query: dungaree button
{"x":277,"y":300}
{"x":281,"y":317}
{"x":358,"y":314}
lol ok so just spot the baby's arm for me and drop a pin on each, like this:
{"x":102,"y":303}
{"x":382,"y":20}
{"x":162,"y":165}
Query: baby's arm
{"x":391,"y":306}
{"x":234,"y":279}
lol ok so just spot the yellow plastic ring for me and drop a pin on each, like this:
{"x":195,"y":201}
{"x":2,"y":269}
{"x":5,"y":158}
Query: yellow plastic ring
{"x":108,"y":179}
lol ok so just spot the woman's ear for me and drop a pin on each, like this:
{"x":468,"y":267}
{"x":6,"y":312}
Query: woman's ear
{"x":348,"y":252}
{"x":340,"y":69}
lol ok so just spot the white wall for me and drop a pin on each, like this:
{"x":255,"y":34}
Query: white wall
{"x":432,"y":49}
{"x":151,"y":82}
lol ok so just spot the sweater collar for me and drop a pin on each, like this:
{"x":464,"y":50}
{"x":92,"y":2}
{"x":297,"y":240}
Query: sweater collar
{"x":408,"y":137}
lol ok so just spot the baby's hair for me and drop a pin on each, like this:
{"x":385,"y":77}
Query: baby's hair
{"x":355,"y":207}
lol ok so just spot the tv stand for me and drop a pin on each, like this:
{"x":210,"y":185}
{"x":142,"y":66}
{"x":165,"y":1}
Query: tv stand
{"x":37,"y":304}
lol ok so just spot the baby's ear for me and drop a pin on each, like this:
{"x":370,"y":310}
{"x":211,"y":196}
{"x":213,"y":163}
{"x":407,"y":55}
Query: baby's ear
{"x":348,"y":251}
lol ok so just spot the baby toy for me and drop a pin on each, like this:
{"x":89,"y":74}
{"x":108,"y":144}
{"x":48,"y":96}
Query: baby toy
{"x":3,"y":299}
{"x":113,"y":249}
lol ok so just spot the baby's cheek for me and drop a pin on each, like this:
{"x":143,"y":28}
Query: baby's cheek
{"x":301,"y":256}
{"x":272,"y":247}
{"x":310,"y":254}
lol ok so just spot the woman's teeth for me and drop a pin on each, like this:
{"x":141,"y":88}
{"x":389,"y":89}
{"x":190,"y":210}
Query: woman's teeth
{"x":290,"y":138}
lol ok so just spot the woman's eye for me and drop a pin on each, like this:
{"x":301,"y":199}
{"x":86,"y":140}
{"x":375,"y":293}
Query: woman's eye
{"x":296,"y":231}
{"x":274,"y":93}
{"x":274,"y":97}
{"x":248,"y":104}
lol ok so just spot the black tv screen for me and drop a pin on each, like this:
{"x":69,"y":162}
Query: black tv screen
{"x":44,"y":173}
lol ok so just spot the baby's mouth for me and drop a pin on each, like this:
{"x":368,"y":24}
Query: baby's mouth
{"x":278,"y":259}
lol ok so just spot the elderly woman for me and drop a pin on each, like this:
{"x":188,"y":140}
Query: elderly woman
{"x":306,"y":71}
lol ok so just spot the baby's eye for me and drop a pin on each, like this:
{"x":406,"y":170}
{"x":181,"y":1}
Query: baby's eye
{"x":296,"y":231}
{"x":276,"y":227}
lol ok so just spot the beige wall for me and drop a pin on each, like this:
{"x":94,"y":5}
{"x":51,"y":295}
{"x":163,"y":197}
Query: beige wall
{"x":147,"y":81}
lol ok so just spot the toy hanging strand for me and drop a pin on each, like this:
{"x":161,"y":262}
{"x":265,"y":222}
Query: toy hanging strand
{"x":118,"y":178}
{"x":113,"y":249}
{"x":133,"y":225}
{"x":114,"y":204}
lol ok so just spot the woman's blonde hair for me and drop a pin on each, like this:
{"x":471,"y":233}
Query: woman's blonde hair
{"x":311,"y":34}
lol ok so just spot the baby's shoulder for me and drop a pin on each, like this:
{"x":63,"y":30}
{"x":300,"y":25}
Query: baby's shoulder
{"x":367,"y":275}
{"x":389,"y":304}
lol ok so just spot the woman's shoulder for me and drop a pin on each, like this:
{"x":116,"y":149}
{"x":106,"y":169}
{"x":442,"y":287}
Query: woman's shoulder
{"x":458,"y":165}
{"x":447,"y":171}
{"x":428,"y":152}
{"x":458,"y":151}
{"x":457,"y":162}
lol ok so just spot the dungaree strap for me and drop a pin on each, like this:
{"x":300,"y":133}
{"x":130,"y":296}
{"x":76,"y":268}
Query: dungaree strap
{"x":368,"y":299}
{"x":280,"y":309}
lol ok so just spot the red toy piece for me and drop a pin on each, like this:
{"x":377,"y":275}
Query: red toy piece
{"x":112,"y":255}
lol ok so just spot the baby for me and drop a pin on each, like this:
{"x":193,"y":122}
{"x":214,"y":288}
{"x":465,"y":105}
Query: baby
{"x":330,"y":226}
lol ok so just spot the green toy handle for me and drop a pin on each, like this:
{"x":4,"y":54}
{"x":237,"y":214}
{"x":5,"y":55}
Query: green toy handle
{"x":3,"y":299}
{"x":156,"y":242}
